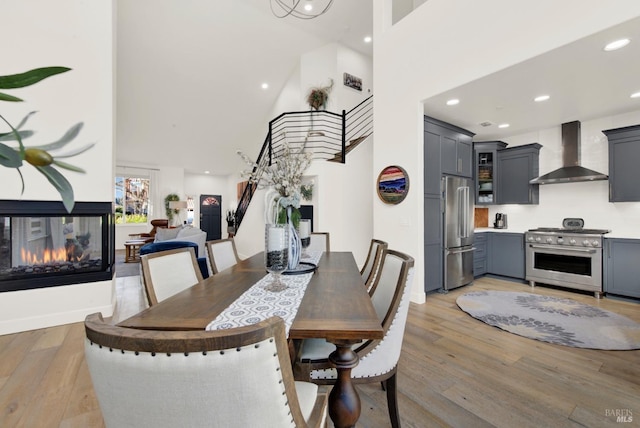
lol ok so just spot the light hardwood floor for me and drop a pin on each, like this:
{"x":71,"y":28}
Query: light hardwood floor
{"x":454,"y":371}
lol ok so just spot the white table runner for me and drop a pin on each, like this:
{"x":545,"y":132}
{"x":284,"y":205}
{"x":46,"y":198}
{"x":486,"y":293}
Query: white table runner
{"x":256,"y":304}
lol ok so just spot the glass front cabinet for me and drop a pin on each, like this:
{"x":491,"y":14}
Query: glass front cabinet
{"x":485,"y":170}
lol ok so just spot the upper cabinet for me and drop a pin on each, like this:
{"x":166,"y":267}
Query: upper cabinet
{"x":624,"y":174}
{"x":486,"y":161}
{"x":502,"y":174}
{"x":456,"y":147}
{"x":516,"y":166}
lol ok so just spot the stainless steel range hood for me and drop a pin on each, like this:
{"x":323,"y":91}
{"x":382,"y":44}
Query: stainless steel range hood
{"x":571,"y":170}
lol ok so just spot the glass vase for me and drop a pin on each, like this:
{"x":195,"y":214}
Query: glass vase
{"x":295,"y":245}
{"x":276,"y":254}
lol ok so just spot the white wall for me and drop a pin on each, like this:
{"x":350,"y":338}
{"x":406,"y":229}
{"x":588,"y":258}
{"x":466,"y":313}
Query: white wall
{"x":79,"y":35}
{"x":444,"y":44}
{"x":587,"y":200}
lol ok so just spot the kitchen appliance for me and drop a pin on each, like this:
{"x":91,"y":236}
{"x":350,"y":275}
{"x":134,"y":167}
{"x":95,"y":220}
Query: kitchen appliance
{"x":569,"y":257}
{"x":501,"y":221}
{"x":571,"y":170}
{"x":458,"y":231}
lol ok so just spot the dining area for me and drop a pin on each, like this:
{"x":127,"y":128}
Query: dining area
{"x":229,"y":350}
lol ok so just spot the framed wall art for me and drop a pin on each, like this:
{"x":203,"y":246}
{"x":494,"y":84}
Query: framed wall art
{"x":352,"y":81}
{"x":393,"y":184}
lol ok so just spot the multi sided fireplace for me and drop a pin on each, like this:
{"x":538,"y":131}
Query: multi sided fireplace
{"x":41,"y":245}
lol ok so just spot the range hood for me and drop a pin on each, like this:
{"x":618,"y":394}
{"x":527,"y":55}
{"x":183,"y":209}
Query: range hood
{"x":571,"y":170}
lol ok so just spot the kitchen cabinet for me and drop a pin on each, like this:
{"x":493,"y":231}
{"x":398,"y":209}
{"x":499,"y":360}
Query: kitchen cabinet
{"x":480,"y":254}
{"x":621,"y":267}
{"x":456,"y":148}
{"x":516,"y":166}
{"x":447,"y":150}
{"x":486,"y":161}
{"x":624,"y":174}
{"x":505,"y":254}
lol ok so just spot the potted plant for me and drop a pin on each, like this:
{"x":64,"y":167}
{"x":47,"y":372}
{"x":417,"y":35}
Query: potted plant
{"x":169,"y":211}
{"x":319,"y":96}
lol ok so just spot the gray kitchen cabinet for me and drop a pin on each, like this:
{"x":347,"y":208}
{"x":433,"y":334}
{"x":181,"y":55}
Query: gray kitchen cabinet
{"x":456,"y":148}
{"x":485,"y":165}
{"x":447,"y":150}
{"x":516,"y":166}
{"x":624,"y":174}
{"x":621,"y":267}
{"x":480,"y":254}
{"x":505,"y":254}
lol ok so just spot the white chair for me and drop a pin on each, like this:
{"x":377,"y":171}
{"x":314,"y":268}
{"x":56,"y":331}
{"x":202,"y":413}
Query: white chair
{"x":319,"y":242}
{"x":166,"y":273}
{"x":224,"y":378}
{"x":378,"y":358}
{"x":222,"y":254}
{"x":371,"y":266}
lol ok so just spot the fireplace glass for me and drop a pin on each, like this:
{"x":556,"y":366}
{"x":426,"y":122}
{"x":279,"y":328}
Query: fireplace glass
{"x":41,"y":245}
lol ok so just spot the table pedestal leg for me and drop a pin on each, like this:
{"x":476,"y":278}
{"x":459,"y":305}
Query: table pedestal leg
{"x":344,"y":402}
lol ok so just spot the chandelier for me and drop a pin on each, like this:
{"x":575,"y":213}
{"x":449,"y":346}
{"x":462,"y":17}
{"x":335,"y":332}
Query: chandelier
{"x":307,"y":9}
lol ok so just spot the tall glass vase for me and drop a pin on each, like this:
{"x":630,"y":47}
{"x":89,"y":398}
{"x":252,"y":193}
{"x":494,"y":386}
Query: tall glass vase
{"x":295,"y":245}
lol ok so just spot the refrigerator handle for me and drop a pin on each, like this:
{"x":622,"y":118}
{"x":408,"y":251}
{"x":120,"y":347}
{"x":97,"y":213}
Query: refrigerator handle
{"x":463,"y":212}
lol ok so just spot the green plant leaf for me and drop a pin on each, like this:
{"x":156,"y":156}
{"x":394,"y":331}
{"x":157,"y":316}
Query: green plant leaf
{"x":75,"y":151}
{"x":68,"y":166}
{"x":61,"y":184}
{"x":64,"y":140}
{"x":11,"y":136}
{"x":9,"y":157}
{"x":30,"y":77}
{"x":11,"y":98}
{"x":17,"y":135}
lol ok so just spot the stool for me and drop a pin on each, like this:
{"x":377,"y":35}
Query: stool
{"x":132,"y":250}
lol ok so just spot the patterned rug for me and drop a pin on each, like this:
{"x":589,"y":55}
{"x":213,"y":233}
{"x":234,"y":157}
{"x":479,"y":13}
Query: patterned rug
{"x":551,"y":319}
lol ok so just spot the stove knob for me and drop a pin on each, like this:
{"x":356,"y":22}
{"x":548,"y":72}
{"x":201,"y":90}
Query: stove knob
{"x":549,"y":240}
{"x":572,"y":241}
{"x":560,"y":240}
{"x":586,"y":243}
{"x":538,"y":239}
{"x":531,"y":239}
{"x":595,"y":243}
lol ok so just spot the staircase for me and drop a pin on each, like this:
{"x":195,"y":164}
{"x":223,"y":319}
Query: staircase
{"x":329,"y":136}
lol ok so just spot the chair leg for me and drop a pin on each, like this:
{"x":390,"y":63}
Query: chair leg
{"x":383,"y":386}
{"x":392,"y":400}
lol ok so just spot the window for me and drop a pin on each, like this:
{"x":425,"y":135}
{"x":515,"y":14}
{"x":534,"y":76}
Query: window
{"x":132,"y":200}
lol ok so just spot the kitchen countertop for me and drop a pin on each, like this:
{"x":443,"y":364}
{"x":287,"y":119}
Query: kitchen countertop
{"x":620,"y":233}
{"x":491,"y":229}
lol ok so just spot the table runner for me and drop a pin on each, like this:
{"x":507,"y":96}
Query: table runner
{"x":256,"y":304}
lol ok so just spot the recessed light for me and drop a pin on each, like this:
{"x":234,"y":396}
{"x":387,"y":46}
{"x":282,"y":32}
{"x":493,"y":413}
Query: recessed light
{"x":368,"y":39}
{"x":453,"y":102}
{"x":635,"y":95}
{"x":503,"y":125}
{"x":265,"y":86}
{"x":541,"y":98}
{"x":206,"y":172}
{"x":617,"y":44}
{"x":308,"y":7}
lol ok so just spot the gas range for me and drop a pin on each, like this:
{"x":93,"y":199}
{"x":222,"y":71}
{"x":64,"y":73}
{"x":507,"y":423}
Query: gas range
{"x":566,"y":236}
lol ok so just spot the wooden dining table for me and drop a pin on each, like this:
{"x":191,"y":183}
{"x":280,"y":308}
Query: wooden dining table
{"x":335,"y":307}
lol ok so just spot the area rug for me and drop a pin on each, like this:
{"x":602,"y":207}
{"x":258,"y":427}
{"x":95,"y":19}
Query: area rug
{"x":551,"y":319}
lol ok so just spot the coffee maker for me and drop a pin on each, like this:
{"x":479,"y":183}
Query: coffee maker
{"x":501,"y":221}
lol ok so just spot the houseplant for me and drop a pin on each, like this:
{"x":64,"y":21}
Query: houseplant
{"x":40,"y":156}
{"x":170,"y":212}
{"x":319,"y":96}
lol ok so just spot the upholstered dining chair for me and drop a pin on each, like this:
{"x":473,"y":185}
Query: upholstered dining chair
{"x":166,"y":273}
{"x":371,"y":266}
{"x":319,"y":242}
{"x":222,"y":254}
{"x":378,"y":358}
{"x":224,"y":378}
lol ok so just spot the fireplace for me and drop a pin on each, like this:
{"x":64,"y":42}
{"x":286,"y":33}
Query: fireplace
{"x":41,"y":245}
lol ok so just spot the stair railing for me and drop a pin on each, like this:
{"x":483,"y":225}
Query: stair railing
{"x":325,"y":134}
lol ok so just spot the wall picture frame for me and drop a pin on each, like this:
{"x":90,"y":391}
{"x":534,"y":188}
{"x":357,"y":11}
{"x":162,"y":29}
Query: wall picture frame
{"x":352,"y":81}
{"x":392,"y":184}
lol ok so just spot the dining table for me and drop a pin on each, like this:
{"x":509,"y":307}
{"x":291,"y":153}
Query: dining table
{"x":335,"y":306}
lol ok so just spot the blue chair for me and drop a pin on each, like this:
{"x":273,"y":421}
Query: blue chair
{"x":154,"y":247}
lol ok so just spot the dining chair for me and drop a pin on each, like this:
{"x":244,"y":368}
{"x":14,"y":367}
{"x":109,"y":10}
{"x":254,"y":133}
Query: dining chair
{"x":319,"y":242}
{"x":378,"y":358}
{"x":223,"y":378}
{"x":371,"y":265}
{"x":222,"y":254}
{"x":166,"y":273}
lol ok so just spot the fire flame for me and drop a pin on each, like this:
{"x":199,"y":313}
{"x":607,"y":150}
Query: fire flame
{"x":43,"y":257}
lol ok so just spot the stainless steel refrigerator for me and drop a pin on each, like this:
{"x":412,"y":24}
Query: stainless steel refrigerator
{"x":457,"y":201}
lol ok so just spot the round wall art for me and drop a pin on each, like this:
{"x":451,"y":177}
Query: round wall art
{"x":393,"y":184}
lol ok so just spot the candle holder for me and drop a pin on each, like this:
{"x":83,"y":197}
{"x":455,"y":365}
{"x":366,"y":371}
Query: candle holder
{"x":276,"y":254}
{"x":304,"y":230}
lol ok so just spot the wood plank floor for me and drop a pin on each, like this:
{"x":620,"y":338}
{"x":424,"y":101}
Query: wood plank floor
{"x":454,"y":372}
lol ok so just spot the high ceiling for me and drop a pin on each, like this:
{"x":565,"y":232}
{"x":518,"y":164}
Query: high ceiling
{"x":189,"y":75}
